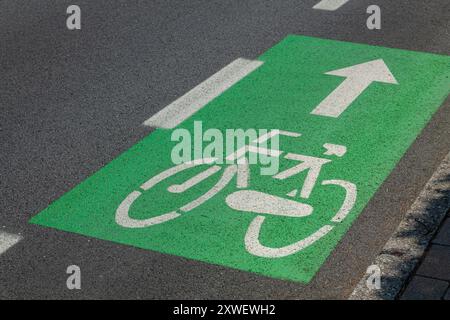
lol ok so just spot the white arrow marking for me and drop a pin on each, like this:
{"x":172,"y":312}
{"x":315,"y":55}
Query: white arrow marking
{"x":330,"y":5}
{"x":358,"y":78}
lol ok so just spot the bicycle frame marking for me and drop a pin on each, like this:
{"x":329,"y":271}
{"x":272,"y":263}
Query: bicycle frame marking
{"x":250,"y":200}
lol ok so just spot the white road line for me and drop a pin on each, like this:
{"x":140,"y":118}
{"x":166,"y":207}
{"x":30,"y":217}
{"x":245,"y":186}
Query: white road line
{"x":7,"y":240}
{"x":330,"y":5}
{"x":197,"y":98}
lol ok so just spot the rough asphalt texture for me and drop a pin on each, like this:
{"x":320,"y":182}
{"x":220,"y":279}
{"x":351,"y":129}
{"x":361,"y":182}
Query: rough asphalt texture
{"x":71,"y":101}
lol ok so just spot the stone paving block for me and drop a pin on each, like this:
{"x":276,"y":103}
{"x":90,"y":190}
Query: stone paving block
{"x":443,"y":236}
{"x":447,"y":296}
{"x":436,"y":263}
{"x":421,"y":288}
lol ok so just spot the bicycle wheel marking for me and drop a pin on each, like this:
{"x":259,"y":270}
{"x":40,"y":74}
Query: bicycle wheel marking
{"x":343,"y":133}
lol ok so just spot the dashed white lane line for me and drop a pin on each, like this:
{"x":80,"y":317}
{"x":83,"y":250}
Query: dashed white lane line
{"x":7,"y":240}
{"x":330,"y":5}
{"x":198,"y":97}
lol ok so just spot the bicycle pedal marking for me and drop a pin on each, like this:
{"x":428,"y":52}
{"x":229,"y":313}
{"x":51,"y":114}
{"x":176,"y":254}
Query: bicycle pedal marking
{"x":352,"y":105}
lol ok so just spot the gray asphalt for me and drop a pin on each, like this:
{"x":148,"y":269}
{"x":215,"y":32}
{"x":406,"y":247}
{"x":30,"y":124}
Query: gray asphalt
{"x":71,"y":101}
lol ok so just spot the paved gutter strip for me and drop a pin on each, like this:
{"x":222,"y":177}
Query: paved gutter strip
{"x":185,"y":106}
{"x":404,"y":250}
{"x":7,"y":240}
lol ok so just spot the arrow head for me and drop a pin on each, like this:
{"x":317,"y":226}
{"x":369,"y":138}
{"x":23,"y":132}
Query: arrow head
{"x":375,"y":70}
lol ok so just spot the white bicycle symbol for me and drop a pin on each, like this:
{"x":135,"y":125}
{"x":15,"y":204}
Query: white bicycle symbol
{"x":250,"y":200}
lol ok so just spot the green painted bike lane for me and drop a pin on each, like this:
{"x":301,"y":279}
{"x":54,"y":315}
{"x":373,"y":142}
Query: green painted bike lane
{"x":376,"y":128}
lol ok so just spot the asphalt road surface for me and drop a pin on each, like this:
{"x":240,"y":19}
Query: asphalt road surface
{"x":72,"y":101}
